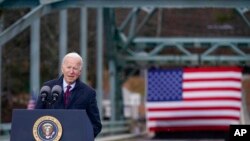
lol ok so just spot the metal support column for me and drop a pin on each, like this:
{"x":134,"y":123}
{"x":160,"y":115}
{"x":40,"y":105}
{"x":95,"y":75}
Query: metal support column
{"x":35,"y":57}
{"x":99,"y":63}
{"x":84,"y":42}
{"x":116,"y":99}
{"x":1,"y":46}
{"x":112,"y":75}
{"x":111,"y":64}
{"x":63,"y":39}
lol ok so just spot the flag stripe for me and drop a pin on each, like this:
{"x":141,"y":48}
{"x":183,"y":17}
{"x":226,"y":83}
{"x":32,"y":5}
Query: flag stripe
{"x":213,"y":98}
{"x":215,"y":103}
{"x":213,"y":79}
{"x":195,"y":75}
{"x":193,"y":108}
{"x":191,"y":128}
{"x":214,"y":84}
{"x":192,"y":122}
{"x":213,"y":89}
{"x":214,"y":69}
{"x":194,"y":117}
{"x":188,"y":113}
{"x":226,"y":93}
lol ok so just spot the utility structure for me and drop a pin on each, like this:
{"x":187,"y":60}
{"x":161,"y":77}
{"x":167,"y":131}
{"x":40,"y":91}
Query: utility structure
{"x":125,"y":47}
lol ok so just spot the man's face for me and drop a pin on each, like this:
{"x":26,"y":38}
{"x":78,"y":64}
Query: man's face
{"x":71,"y":68}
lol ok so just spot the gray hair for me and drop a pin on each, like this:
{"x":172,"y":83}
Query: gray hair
{"x":73,"y":55}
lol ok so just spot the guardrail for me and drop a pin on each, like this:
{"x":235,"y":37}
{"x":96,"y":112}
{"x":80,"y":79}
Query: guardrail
{"x":115,"y":127}
{"x":119,"y":130}
{"x":5,"y":128}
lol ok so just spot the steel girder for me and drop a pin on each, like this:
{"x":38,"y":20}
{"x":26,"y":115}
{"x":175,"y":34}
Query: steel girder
{"x":136,"y":49}
{"x":131,"y":43}
{"x":127,"y":3}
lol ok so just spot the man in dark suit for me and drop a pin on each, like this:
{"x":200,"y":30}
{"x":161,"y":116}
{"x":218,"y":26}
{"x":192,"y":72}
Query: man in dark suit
{"x":75,"y":93}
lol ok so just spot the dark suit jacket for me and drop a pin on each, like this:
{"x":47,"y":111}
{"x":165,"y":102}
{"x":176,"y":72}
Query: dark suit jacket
{"x":82,"y":97}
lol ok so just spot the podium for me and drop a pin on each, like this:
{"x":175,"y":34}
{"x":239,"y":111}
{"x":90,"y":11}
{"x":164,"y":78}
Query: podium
{"x":51,"y":125}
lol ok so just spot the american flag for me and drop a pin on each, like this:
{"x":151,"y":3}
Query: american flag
{"x":198,"y":99}
{"x":32,"y":102}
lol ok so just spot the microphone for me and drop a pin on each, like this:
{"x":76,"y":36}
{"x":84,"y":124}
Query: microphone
{"x":56,"y":91}
{"x":44,"y":92}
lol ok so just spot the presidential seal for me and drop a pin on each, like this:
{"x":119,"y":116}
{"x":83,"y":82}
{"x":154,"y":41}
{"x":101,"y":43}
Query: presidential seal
{"x":47,"y":128}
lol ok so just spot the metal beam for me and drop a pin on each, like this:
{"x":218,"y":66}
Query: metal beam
{"x":173,"y":40}
{"x":194,"y":57}
{"x":48,"y":1}
{"x":99,"y":59}
{"x":132,"y":3}
{"x":13,"y":4}
{"x":35,"y":58}
{"x":241,"y":11}
{"x":84,"y":42}
{"x":63,"y":36}
{"x":156,"y":3}
{"x":23,"y":23}
{"x":1,"y":27}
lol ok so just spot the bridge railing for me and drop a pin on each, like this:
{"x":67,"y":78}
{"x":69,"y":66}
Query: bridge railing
{"x":5,"y":129}
{"x":120,"y":130}
{"x":115,"y":127}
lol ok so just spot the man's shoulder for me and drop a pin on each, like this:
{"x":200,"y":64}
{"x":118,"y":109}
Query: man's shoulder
{"x":52,"y":82}
{"x":85,"y":86}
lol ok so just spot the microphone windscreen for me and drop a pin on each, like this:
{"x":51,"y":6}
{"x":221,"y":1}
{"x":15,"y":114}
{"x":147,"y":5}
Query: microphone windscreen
{"x":56,"y":89}
{"x":45,"y":89}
